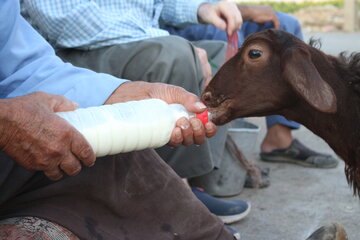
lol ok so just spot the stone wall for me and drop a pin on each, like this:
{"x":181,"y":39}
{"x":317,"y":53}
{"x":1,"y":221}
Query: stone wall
{"x":326,"y":18}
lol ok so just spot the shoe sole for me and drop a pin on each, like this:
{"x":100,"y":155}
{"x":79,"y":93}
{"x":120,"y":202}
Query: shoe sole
{"x":301,"y":163}
{"x":235,"y":218}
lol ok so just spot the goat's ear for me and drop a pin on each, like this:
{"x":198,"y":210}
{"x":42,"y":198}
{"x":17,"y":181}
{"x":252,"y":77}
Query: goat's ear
{"x":301,"y":73}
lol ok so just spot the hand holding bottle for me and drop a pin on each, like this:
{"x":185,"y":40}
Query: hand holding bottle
{"x":186,"y":132}
{"x":39,"y":140}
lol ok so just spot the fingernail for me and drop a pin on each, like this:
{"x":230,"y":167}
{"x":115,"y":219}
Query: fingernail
{"x":184,"y":126}
{"x":178,"y":135}
{"x":196,"y":125}
{"x":200,"y":105}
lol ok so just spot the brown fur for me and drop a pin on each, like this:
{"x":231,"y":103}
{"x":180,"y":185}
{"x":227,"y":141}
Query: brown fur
{"x":297,"y":81}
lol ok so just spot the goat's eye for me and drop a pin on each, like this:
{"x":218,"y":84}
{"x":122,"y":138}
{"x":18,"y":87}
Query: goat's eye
{"x":254,"y":53}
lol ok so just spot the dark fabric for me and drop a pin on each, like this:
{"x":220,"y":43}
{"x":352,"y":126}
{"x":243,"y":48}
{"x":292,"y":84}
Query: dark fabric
{"x":127,"y":196}
{"x":169,"y":60}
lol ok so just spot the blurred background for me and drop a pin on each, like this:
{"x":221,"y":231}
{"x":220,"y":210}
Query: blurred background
{"x":319,"y":15}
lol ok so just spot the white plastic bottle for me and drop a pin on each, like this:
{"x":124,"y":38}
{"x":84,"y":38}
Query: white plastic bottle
{"x":129,"y":126}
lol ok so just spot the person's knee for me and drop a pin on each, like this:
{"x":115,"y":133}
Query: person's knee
{"x":177,"y":49}
{"x":177,"y":61}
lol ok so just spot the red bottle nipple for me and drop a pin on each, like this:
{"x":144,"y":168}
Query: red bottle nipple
{"x":204,"y":116}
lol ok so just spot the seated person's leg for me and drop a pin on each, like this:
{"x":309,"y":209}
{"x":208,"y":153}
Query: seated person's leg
{"x":125,"y":196}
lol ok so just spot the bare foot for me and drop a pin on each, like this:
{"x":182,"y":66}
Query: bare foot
{"x":277,"y":137}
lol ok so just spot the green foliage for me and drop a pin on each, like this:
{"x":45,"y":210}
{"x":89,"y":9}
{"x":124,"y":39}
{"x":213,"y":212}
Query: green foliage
{"x":291,"y":7}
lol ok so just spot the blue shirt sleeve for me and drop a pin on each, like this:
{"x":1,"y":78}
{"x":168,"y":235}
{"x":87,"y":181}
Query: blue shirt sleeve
{"x":29,"y":64}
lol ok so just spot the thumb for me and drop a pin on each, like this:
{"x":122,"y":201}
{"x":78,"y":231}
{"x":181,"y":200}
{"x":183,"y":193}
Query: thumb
{"x":62,"y":104}
{"x":190,"y":101}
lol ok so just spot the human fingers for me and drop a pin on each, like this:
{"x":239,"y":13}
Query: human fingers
{"x":70,"y":165}
{"x":82,"y":150}
{"x":56,"y":103}
{"x":176,"y":137}
{"x":54,"y":173}
{"x":210,"y":129}
{"x":186,"y":131}
{"x":232,"y":16}
{"x":209,"y":13}
{"x":198,"y":131}
{"x":174,"y":94}
{"x":224,"y":15}
{"x":62,"y":104}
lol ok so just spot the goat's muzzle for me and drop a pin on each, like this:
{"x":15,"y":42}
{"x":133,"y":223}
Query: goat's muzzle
{"x":217,"y":105}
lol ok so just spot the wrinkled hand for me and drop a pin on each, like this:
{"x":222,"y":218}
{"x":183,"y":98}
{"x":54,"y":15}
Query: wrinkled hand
{"x":259,"y":14}
{"x":205,"y":65}
{"x":224,"y":15}
{"x":186,"y":132}
{"x":37,"y":139}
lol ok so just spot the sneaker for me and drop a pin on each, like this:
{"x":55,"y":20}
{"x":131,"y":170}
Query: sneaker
{"x":235,"y":233}
{"x":332,"y":231}
{"x":229,"y":211}
{"x":297,"y":153}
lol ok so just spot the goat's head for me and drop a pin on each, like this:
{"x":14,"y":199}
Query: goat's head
{"x":270,"y":72}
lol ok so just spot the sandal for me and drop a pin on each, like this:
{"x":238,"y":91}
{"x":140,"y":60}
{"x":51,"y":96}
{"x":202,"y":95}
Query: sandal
{"x":299,"y":154}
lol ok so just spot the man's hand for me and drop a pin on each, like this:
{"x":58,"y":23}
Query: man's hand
{"x":259,"y":14}
{"x":205,"y":65}
{"x":224,"y":15}
{"x":40,"y":140}
{"x":186,"y":132}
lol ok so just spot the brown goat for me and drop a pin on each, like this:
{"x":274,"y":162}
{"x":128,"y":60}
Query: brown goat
{"x":276,"y":73}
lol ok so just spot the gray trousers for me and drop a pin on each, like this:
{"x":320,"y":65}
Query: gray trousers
{"x":171,"y":60}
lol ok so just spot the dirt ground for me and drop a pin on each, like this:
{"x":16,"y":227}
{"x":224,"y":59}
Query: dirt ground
{"x":300,"y":199}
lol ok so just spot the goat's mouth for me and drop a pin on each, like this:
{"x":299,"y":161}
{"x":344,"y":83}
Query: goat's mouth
{"x":221,"y":113}
{"x":219,"y":107}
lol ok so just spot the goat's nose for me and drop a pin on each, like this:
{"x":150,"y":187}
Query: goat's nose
{"x":206,"y":97}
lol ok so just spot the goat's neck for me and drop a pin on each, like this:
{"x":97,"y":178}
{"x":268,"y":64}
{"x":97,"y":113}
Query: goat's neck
{"x":341,"y":129}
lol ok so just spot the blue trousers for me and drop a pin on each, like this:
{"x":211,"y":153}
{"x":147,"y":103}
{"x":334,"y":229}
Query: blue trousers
{"x":209,"y":32}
